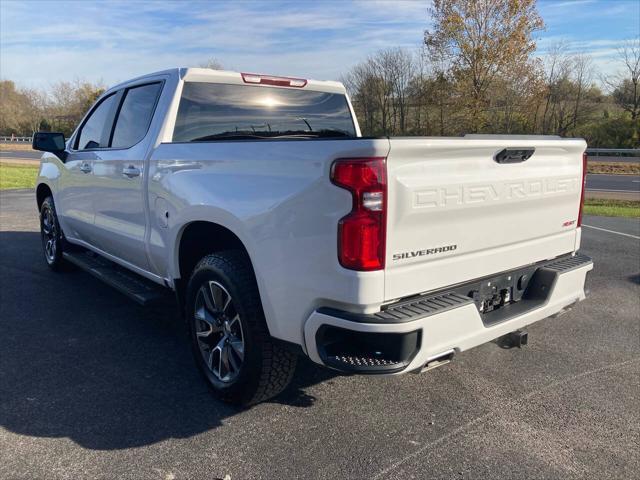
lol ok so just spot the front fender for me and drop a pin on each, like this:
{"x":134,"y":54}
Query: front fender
{"x":49,"y":173}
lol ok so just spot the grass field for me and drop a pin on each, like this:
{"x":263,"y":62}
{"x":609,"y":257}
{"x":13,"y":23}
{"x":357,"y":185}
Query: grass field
{"x":612,"y":208}
{"x":613,"y":168}
{"x":15,"y":146}
{"x":17,"y":176}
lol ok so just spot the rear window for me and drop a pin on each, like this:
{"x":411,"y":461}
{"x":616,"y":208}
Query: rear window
{"x":212,"y":111}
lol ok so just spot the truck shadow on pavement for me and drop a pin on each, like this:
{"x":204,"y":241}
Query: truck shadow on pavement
{"x":81,"y":361}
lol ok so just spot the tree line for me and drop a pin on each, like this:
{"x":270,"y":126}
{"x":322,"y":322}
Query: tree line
{"x":477,"y":71}
{"x":26,"y":110}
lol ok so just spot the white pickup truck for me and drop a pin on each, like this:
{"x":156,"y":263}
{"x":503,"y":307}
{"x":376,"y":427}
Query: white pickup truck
{"x":283,"y":231}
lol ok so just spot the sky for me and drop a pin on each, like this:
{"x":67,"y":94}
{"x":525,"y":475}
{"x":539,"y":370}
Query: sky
{"x":42,"y":42}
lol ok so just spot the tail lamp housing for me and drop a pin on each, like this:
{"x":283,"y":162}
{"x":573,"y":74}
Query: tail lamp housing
{"x":584,"y":184}
{"x":362,"y":232}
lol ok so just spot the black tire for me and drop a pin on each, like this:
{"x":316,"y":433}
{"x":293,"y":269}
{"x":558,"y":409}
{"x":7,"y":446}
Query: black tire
{"x":51,"y":236}
{"x":265,"y":368}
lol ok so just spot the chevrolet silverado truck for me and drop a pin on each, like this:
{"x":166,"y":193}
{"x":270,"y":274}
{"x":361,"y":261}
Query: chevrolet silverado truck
{"x":283,"y":232}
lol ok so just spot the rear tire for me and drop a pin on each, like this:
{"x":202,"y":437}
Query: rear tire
{"x":229,"y":336}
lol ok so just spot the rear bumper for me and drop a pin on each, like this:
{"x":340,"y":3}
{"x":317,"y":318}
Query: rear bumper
{"x":409,"y":336}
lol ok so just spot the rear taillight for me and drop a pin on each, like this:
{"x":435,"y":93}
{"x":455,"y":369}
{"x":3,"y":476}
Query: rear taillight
{"x":271,"y":80}
{"x":362,"y":233}
{"x":584,"y":184}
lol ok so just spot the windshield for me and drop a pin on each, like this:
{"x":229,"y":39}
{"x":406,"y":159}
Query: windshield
{"x":213,"y":111}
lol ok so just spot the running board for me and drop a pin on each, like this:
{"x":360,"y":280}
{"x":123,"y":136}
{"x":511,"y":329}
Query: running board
{"x":137,"y":288}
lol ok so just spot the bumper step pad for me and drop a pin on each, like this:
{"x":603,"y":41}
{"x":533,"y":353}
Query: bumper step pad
{"x":570,"y":263}
{"x":359,"y":362}
{"x":423,"y":307}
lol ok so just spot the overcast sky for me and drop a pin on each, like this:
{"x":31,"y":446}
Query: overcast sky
{"x":46,"y":41}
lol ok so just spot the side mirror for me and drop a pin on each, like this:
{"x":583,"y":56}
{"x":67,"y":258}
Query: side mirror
{"x":50,"y":142}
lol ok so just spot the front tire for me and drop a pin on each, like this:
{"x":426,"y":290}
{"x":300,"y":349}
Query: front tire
{"x":229,"y":336}
{"x":51,"y":235}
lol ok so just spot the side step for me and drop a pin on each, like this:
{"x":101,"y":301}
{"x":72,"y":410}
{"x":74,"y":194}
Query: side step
{"x":138,"y":288}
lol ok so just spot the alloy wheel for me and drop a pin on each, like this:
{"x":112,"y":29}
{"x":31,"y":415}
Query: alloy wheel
{"x":219,"y":331}
{"x":49,"y":235}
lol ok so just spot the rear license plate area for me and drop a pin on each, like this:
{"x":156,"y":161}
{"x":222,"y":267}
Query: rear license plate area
{"x":501,"y":290}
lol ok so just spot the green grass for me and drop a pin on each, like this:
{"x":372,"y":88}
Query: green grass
{"x":612,"y":208}
{"x":17,"y":176}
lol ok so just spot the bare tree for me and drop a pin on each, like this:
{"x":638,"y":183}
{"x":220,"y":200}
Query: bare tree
{"x":212,"y":63}
{"x":556,"y":117}
{"x":35,"y":109}
{"x":69,"y":101}
{"x":627,"y":85}
{"x":397,"y":68}
{"x":380,"y":88}
{"x":361,"y":83}
{"x":582,"y":78}
{"x":421,"y":94}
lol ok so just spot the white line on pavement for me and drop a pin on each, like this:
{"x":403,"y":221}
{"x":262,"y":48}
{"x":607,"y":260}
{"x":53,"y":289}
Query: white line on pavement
{"x":612,"y":231}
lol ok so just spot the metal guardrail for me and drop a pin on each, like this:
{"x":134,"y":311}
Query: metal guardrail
{"x":15,"y":139}
{"x":614,"y":152}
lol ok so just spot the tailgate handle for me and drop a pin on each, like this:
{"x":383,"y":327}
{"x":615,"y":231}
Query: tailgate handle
{"x":514,"y":155}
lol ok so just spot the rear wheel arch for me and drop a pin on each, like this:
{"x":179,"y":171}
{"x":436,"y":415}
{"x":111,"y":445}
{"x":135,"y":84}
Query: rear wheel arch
{"x":198,"y":239}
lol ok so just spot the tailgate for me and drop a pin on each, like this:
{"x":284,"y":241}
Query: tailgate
{"x":455,"y":214}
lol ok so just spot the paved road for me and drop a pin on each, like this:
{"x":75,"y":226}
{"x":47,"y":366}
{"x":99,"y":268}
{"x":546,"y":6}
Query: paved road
{"x":93,"y":386}
{"x":31,"y":154}
{"x":626,"y":183}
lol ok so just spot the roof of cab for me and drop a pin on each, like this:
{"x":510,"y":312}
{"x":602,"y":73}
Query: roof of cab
{"x":229,"y":77}
{"x":225,"y":76}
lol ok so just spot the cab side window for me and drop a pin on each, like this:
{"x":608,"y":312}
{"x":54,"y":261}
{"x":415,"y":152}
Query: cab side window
{"x":135,"y":115}
{"x":94,"y":133}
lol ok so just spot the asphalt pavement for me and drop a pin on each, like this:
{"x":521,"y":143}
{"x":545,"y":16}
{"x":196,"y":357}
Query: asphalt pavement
{"x":613,"y":183}
{"x":24,"y":154}
{"x":94,"y":386}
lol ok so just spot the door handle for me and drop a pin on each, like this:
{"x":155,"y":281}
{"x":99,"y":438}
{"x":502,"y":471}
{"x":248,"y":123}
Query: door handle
{"x":131,"y":171}
{"x":85,"y":168}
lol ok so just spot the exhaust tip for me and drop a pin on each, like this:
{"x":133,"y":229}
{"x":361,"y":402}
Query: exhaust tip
{"x":437,"y":361}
